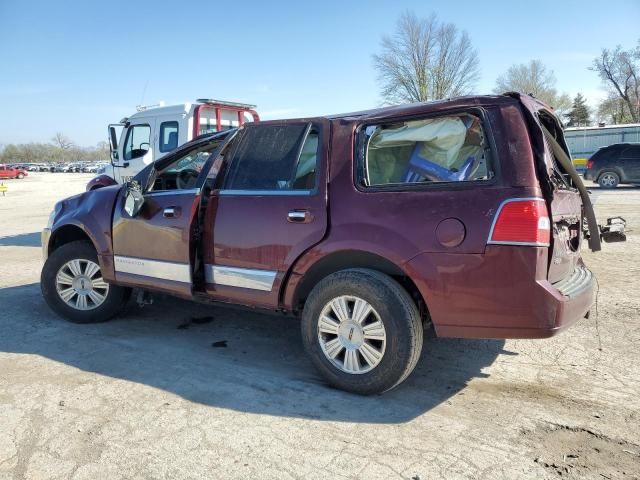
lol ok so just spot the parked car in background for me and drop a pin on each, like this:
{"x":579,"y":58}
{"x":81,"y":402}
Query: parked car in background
{"x":615,"y":164}
{"x":243,"y":216}
{"x":7,"y":171}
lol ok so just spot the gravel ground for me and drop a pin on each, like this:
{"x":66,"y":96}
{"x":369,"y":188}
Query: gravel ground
{"x":148,"y":396}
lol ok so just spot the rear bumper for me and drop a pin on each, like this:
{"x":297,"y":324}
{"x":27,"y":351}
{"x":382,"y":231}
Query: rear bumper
{"x":501,"y":295}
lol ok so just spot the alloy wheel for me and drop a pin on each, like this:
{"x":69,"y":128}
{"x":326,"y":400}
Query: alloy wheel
{"x":351,"y":334}
{"x":608,"y":180}
{"x":80,"y":285}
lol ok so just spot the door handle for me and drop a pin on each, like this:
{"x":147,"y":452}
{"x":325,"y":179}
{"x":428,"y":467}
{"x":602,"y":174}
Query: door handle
{"x":299,"y":216}
{"x":169,"y":212}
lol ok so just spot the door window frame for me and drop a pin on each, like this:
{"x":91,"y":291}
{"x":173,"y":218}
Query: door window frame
{"x":359,"y":152}
{"x":311,"y":126}
{"x":130,"y":129}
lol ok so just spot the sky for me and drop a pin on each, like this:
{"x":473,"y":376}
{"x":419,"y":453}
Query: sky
{"x":75,"y":66}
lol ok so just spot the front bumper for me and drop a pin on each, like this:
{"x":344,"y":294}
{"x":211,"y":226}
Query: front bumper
{"x":45,"y":236}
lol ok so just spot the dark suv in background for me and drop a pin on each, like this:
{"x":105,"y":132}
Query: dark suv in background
{"x":615,"y":164}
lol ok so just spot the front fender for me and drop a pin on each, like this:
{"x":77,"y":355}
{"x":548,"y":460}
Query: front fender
{"x":91,"y":212}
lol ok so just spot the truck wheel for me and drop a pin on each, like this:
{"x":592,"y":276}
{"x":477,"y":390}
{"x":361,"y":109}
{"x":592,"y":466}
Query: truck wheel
{"x":362,"y":330}
{"x":609,"y":180}
{"x":20,"y":176}
{"x":72,"y":285}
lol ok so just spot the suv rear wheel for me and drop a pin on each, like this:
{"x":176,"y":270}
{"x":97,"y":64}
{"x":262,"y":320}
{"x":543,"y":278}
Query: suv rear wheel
{"x":609,"y":180}
{"x":73,"y":287}
{"x":362,"y":330}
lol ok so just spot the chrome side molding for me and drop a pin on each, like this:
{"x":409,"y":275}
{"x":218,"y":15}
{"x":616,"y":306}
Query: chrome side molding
{"x":240,"y":277}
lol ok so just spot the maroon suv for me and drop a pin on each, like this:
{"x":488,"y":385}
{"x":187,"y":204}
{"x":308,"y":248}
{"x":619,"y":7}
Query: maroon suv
{"x":462,"y":215}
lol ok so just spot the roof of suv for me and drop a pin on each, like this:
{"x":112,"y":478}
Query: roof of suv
{"x":615,"y":146}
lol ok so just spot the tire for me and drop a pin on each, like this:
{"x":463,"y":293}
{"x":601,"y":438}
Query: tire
{"x":391,"y":305}
{"x":608,"y":180}
{"x":20,"y":176}
{"x":114,"y":296}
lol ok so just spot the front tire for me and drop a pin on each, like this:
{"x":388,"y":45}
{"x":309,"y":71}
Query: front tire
{"x":362,"y":330}
{"x":609,"y":180}
{"x":20,"y":176}
{"x":73,"y":287}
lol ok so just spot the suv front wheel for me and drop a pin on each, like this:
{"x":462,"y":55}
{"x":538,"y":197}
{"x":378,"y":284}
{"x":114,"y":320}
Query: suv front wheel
{"x":362,"y":330}
{"x":72,"y":285}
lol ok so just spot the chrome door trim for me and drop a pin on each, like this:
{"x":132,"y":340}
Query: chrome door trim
{"x":267,"y":193}
{"x":162,"y":193}
{"x":176,"y":272}
{"x":253,"y":279}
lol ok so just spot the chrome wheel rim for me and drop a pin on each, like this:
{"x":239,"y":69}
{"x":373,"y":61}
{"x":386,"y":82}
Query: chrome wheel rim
{"x":352,"y":335}
{"x":608,"y":180}
{"x":80,"y":285}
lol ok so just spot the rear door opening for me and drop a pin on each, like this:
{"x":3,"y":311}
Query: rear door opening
{"x":565,"y":197}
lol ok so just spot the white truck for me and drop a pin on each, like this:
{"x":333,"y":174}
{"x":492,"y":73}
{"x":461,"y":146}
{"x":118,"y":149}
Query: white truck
{"x":153,"y":132}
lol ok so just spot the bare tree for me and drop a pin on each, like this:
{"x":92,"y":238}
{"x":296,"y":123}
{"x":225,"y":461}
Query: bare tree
{"x":534,"y":78}
{"x":426,"y":60}
{"x":620,"y":70}
{"x":102,"y":149}
{"x":62,"y":141}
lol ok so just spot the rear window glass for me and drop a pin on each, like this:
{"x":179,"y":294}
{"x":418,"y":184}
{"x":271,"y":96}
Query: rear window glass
{"x":451,"y":148}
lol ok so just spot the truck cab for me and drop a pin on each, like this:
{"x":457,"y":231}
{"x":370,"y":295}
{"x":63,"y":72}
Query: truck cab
{"x":153,"y":132}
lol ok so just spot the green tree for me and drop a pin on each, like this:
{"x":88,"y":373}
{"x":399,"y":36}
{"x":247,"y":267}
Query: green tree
{"x":579,"y":115}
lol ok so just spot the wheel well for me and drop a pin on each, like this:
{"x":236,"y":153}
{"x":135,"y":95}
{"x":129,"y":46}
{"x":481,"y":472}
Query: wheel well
{"x":356,"y":259}
{"x":67,"y":234}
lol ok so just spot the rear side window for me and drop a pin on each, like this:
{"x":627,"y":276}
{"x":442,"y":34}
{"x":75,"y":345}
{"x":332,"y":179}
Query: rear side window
{"x":168,"y":136}
{"x":450,"y":148}
{"x":273,"y":158}
{"x":631,"y":153}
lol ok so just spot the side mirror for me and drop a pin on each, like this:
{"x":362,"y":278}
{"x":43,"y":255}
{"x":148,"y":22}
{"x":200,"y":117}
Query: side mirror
{"x":133,"y":198}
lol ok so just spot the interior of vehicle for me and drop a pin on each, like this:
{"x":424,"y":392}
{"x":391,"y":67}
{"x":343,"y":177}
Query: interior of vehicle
{"x":183,"y":173}
{"x":279,"y":157}
{"x":452,"y":148}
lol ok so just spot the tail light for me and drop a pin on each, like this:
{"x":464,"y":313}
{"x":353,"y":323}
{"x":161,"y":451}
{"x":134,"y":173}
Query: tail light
{"x":521,"y":221}
{"x":589,"y":164}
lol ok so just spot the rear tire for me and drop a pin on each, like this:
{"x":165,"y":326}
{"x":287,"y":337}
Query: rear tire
{"x":72,"y":285}
{"x":608,"y":180}
{"x":371,"y":341}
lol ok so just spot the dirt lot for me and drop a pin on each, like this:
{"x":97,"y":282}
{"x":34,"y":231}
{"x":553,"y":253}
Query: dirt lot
{"x":147,"y":396}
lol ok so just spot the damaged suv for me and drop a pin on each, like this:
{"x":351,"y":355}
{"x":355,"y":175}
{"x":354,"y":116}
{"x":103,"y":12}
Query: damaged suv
{"x":465,"y":216}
